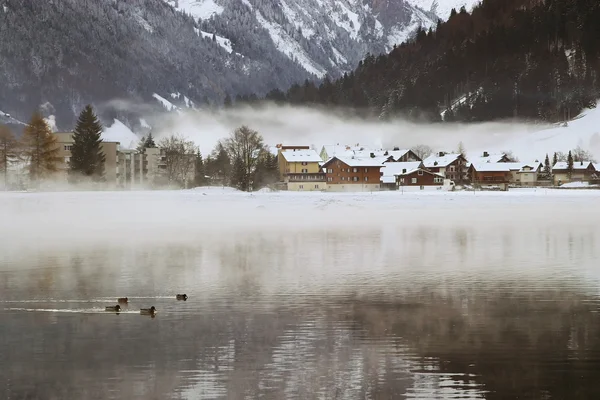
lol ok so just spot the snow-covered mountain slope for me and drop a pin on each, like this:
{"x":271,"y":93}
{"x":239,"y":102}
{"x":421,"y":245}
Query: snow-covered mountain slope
{"x":135,"y":49}
{"x":324,"y":37}
{"x":583,"y":131}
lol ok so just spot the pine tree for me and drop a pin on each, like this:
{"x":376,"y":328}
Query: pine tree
{"x":87,"y":158}
{"x":40,"y":148}
{"x":569,"y":165}
{"x":547,"y":172}
{"x":149,"y":142}
{"x":554,"y":159}
{"x":9,"y":151}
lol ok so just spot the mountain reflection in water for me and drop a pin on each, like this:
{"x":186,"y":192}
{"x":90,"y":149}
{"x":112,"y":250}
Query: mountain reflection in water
{"x":380,"y":313}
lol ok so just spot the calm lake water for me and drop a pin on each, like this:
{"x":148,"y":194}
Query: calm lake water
{"x":387,"y":311}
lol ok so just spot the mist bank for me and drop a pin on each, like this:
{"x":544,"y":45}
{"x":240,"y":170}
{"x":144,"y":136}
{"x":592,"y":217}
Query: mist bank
{"x":308,"y":125}
{"x":59,"y":220}
{"x":317,"y":126}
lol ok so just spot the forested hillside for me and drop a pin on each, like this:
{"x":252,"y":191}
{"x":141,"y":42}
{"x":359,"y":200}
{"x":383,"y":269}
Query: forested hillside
{"x":61,"y":55}
{"x":64,"y":54}
{"x":529,"y":59}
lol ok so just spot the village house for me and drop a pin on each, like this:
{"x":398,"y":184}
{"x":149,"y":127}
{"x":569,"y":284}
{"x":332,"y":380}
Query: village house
{"x":582,"y":172}
{"x":529,"y":173}
{"x":451,"y":166}
{"x":300,"y":168}
{"x":65,"y":142}
{"x":420,"y":177}
{"x":391,"y":170}
{"x":490,"y":175}
{"x":347,"y":174}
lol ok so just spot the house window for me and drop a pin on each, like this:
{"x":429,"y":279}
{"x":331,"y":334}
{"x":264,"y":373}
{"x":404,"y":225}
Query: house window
{"x":401,"y":180}
{"x":304,"y":171}
{"x":67,"y":159}
{"x":366,"y":178}
{"x":366,"y":170}
{"x":414,"y":180}
{"x":355,"y":170}
{"x":68,"y":147}
{"x":343,"y":178}
{"x":438,"y":180}
{"x":403,"y":170}
{"x":355,"y":178}
{"x":301,"y":186}
{"x":316,"y":186}
{"x":329,"y":179}
{"x":452,"y":168}
{"x":420,"y":173}
{"x":304,"y":163}
{"x":330,"y":171}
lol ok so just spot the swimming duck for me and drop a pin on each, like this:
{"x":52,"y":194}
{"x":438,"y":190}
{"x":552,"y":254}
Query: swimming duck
{"x":123,"y":300}
{"x":148,"y":311}
{"x":182,"y":297}
{"x":113,"y":308}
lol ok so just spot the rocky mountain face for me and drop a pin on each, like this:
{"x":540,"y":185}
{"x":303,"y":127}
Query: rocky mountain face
{"x":172,"y":54}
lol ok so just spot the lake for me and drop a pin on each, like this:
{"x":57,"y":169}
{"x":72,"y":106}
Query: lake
{"x":298,"y":296}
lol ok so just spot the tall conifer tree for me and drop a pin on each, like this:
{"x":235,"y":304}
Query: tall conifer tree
{"x":40,"y":148}
{"x":87,"y":157}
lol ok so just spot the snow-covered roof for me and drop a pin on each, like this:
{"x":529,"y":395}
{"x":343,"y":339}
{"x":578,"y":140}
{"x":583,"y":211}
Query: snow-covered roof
{"x":397,"y":168}
{"x":437,"y":161}
{"x":388,"y":179}
{"x":480,"y":158}
{"x":493,"y":167}
{"x":535,"y":165}
{"x":367,"y":153}
{"x":357,"y":162}
{"x":301,"y":156}
{"x":397,"y":154}
{"x":577,"y":165}
{"x":597,"y":167}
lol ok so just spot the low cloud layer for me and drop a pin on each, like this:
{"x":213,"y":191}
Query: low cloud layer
{"x":300,"y":125}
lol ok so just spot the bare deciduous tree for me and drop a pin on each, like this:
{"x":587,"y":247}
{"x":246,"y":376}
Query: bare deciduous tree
{"x":580,"y":154}
{"x":179,"y":159}
{"x":422,"y":151}
{"x":245,"y":145}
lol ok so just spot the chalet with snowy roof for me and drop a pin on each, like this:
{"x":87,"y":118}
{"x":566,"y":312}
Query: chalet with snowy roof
{"x":420,"y":177}
{"x":582,"y":172}
{"x":529,"y":173}
{"x":451,"y":165}
{"x":300,"y":168}
{"x":351,"y":174}
{"x":391,"y":170}
{"x":487,"y":174}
